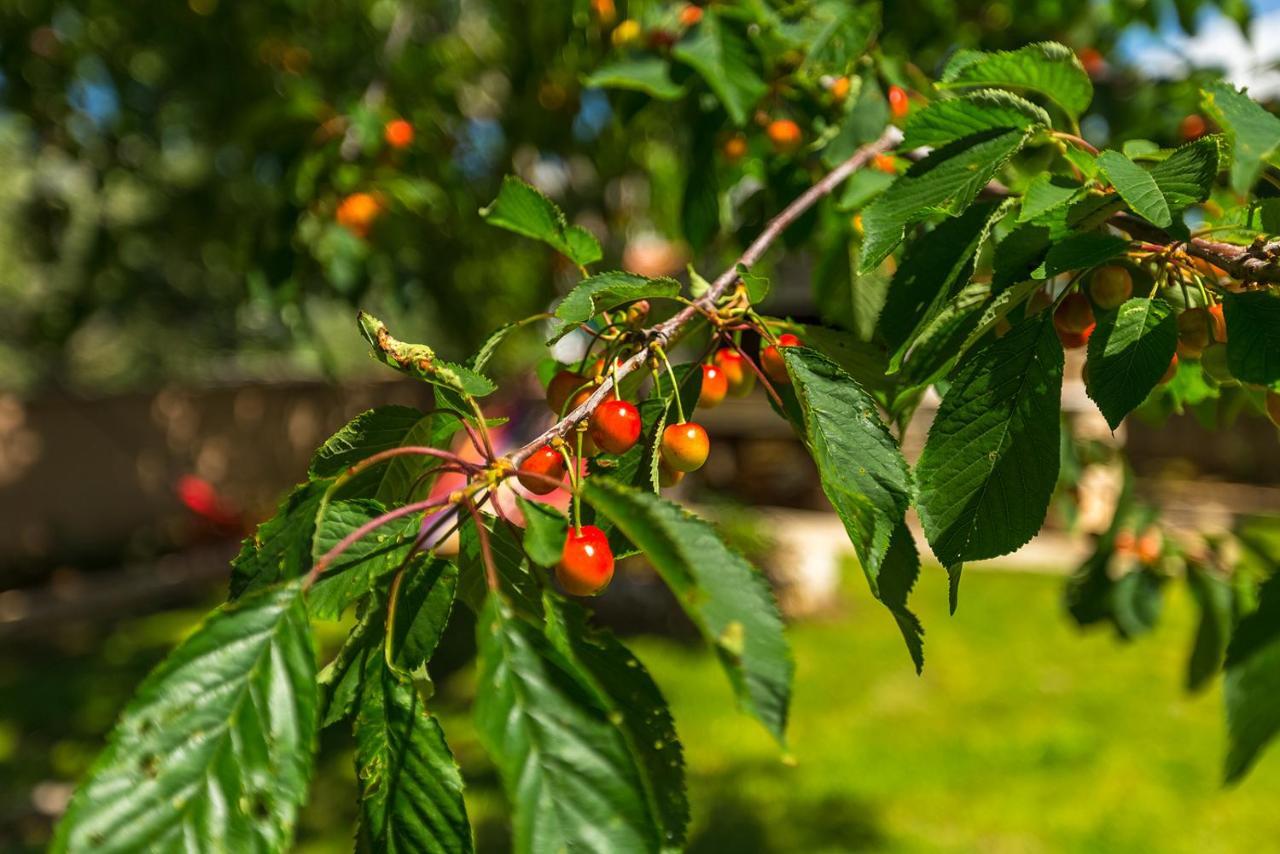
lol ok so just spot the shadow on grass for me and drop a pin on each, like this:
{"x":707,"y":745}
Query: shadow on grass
{"x":728,"y":818}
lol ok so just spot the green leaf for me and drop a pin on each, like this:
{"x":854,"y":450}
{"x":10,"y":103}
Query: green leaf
{"x":281,"y":547}
{"x":522,"y":209}
{"x":355,"y":571}
{"x":947,"y":120}
{"x":990,"y":463}
{"x":723,"y":59}
{"x":864,"y":361}
{"x":859,"y":464}
{"x":945,"y":182}
{"x":419,"y":361}
{"x":1216,"y":600}
{"x":480,"y":360}
{"x":725,"y":596}
{"x":932,"y":269}
{"x":418,"y":608}
{"x":936,"y":346}
{"x":757,"y":286}
{"x":1186,"y":177}
{"x":898,"y":575}
{"x":567,"y":768}
{"x":1128,"y":353}
{"x":650,"y":75}
{"x":1045,"y":68}
{"x":370,"y":432}
{"x":1080,"y":252}
{"x":606,"y":291}
{"x":1018,"y":255}
{"x":1253,"y":336}
{"x":1251,"y":686}
{"x":1137,"y":187}
{"x":833,"y":33}
{"x":544,"y":533}
{"x":339,"y":682}
{"x":217,"y":744}
{"x":410,"y":785}
{"x":1046,"y":192}
{"x":380,"y":430}
{"x":635,"y":705}
{"x":516,"y":579}
{"x":1253,"y":132}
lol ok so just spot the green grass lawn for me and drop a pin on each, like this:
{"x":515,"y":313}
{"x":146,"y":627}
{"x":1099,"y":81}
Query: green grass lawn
{"x":1022,"y":735}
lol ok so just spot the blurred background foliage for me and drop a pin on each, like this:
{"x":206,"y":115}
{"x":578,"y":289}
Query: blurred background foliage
{"x":171,"y":173}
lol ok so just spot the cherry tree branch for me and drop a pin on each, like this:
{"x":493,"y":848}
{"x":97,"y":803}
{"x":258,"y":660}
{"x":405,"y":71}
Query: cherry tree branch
{"x":660,"y":334}
{"x":1257,"y":262}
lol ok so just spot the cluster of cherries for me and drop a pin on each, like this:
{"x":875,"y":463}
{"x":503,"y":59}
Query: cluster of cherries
{"x":586,"y":563}
{"x":1109,"y":288}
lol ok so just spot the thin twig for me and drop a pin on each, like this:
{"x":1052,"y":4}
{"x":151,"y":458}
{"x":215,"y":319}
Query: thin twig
{"x":662,"y":333}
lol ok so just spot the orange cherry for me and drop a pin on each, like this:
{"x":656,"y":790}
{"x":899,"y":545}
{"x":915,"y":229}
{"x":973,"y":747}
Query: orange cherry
{"x":771,"y":359}
{"x":715,"y":385}
{"x":737,"y":372}
{"x":899,"y":103}
{"x":785,"y":135}
{"x":685,"y":446}
{"x":563,"y":385}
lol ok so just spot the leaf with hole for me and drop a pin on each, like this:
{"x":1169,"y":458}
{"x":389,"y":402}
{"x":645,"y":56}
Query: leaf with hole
{"x":217,"y":743}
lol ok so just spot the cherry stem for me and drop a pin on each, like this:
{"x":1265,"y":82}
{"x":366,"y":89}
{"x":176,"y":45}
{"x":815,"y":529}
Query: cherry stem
{"x":406,"y":450}
{"x":462,"y":419}
{"x":578,"y":475}
{"x":486,"y":552}
{"x":489,"y":455}
{"x":675,"y":386}
{"x":764,"y":379}
{"x":372,"y":525}
{"x":1077,"y":141}
{"x":664,"y":332}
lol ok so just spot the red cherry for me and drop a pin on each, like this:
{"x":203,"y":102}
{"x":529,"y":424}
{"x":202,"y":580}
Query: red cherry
{"x":586,"y":563}
{"x":545,"y":461}
{"x":899,"y":103}
{"x":615,"y":426}
{"x":561,"y":388}
{"x":715,"y":385}
{"x":398,"y":133}
{"x":685,"y":446}
{"x":668,"y":476}
{"x":771,"y":359}
{"x":1073,"y":340}
{"x":1170,"y":371}
{"x":737,"y":372}
{"x":1073,"y":315}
